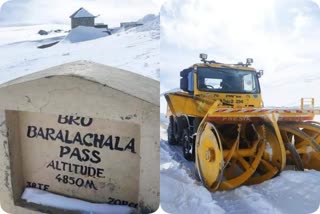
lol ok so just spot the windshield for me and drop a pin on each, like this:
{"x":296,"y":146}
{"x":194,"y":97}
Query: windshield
{"x":227,"y":80}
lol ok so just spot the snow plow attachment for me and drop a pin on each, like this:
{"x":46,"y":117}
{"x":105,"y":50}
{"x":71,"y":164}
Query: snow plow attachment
{"x":219,"y":119}
{"x":248,"y":146}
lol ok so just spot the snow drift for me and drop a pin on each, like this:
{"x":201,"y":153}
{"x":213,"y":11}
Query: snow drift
{"x":83,"y":33}
{"x":53,"y":200}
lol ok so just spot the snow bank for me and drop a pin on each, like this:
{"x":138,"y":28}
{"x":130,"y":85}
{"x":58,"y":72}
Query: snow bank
{"x":83,"y":33}
{"x":179,"y":192}
{"x":49,"y":199}
{"x":290,"y":192}
{"x":178,"y":196}
{"x":150,"y":22}
{"x":147,"y":18}
{"x":317,"y":211}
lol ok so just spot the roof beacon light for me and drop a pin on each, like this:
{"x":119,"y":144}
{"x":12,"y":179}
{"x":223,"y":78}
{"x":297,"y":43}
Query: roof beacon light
{"x":203,"y":57}
{"x":249,"y":61}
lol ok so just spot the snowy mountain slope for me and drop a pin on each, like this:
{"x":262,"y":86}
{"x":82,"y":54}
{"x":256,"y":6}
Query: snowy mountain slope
{"x":291,"y":192}
{"x":134,"y":50}
{"x":9,"y":35}
{"x":150,"y":22}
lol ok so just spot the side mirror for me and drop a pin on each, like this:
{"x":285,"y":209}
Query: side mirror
{"x":260,"y":73}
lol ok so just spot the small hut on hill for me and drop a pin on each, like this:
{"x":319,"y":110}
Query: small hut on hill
{"x":82,"y":18}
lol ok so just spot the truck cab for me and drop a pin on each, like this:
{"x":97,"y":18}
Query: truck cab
{"x":235,"y":85}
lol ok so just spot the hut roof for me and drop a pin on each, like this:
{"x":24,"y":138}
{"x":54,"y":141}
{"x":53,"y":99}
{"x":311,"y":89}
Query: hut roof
{"x":81,"y":13}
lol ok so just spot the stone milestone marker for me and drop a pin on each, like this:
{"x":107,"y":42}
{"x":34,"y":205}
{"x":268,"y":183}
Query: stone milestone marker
{"x":82,"y":130}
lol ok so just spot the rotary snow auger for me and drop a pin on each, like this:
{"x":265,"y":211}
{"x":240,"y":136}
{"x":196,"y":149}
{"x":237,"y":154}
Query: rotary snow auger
{"x":219,"y":119}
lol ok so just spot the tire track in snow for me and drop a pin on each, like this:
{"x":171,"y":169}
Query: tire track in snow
{"x":244,"y":200}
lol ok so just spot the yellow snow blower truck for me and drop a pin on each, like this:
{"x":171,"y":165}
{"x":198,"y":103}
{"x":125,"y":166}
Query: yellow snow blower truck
{"x":219,"y":119}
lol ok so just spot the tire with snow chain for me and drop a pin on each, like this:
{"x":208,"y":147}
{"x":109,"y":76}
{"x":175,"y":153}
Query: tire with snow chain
{"x":171,"y":138}
{"x":187,"y":145}
{"x":180,"y":123}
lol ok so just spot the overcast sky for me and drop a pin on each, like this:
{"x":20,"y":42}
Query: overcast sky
{"x":283,"y":37}
{"x":111,"y":12}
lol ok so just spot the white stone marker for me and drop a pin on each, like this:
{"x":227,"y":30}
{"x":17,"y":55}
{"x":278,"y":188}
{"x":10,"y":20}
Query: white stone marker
{"x":82,"y":130}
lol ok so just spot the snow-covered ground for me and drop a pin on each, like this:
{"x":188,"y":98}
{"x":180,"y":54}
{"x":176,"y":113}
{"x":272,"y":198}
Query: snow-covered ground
{"x":20,"y":34}
{"x":136,"y":50}
{"x":37,"y":196}
{"x":291,"y":192}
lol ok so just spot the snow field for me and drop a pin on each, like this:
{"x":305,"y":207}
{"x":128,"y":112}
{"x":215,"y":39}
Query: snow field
{"x":136,"y":50}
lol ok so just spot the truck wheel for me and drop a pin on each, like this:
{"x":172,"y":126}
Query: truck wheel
{"x":187,"y":145}
{"x":180,"y":123}
{"x":170,"y":131}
